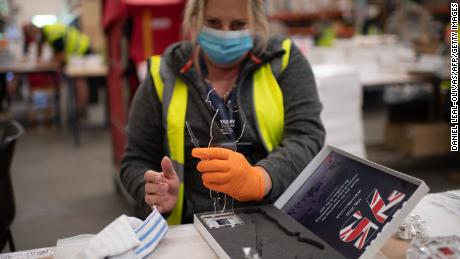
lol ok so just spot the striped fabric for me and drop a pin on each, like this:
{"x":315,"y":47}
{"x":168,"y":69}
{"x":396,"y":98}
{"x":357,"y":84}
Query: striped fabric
{"x":115,"y":239}
{"x":150,"y":233}
{"x":125,"y":238}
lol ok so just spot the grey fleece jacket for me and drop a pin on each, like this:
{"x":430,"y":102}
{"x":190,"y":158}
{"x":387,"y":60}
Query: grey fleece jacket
{"x":303,"y":131}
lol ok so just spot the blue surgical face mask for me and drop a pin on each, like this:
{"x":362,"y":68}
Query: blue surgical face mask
{"x":225,"y":47}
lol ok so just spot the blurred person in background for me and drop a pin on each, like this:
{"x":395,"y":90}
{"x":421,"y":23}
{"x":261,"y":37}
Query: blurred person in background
{"x":229,"y":64}
{"x":65,"y":41}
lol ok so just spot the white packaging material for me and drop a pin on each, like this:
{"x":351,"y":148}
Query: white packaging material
{"x":340,"y":93}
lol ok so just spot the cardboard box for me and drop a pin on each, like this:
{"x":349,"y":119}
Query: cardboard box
{"x":394,"y":133}
{"x":426,"y":139}
{"x":418,"y":140}
{"x":91,"y":23}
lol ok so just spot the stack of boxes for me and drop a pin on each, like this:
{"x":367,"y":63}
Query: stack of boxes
{"x":341,"y":94}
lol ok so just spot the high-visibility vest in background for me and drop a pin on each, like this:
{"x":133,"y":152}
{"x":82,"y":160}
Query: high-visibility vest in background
{"x":172,"y":92}
{"x":75,"y":42}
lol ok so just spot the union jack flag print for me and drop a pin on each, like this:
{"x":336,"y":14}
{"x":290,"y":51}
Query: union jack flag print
{"x":379,"y":207}
{"x":357,"y":227}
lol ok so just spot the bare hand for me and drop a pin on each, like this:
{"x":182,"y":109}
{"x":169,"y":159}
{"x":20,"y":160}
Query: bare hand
{"x":162,"y":188}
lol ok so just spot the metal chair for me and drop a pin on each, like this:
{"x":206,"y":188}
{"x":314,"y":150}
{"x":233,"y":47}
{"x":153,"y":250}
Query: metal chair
{"x":10,"y":131}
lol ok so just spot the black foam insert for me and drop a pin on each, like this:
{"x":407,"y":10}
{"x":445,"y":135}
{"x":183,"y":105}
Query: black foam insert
{"x":272,"y":233}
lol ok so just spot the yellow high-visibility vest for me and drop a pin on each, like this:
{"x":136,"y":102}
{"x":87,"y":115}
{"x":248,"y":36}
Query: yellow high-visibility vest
{"x":172,"y":92}
{"x":75,"y":42}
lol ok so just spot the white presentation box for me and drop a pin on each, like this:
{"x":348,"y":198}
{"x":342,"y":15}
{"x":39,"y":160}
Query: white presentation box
{"x":340,"y":206}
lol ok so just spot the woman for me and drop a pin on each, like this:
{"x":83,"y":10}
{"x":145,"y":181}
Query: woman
{"x":230,"y":57}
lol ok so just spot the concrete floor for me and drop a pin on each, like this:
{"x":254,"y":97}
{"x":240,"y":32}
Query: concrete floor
{"x":62,"y":190}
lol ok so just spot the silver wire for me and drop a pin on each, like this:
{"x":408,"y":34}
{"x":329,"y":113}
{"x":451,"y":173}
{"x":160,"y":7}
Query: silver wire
{"x":225,"y":203}
{"x":209,"y":101}
{"x":244,"y":127}
{"x":210,"y":128}
{"x":214,"y":202}
{"x":194,"y":140}
{"x":218,"y":201}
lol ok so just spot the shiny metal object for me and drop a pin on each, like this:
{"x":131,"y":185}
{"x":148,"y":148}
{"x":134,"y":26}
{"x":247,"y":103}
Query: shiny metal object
{"x":447,"y":247}
{"x":412,"y":228}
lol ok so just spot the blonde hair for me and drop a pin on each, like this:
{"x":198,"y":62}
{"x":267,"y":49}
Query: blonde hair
{"x":194,"y":19}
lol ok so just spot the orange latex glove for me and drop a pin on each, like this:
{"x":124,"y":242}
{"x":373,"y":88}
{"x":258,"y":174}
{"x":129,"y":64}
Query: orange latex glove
{"x":227,"y":171}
